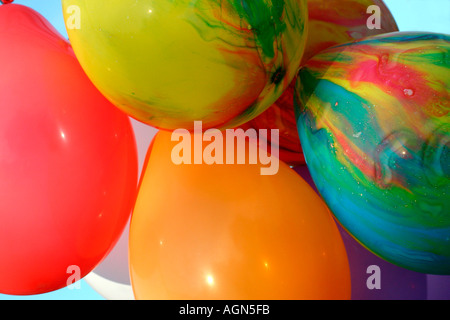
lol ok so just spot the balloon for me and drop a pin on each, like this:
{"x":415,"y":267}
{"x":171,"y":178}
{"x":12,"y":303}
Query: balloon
{"x":334,"y":22}
{"x":68,"y":161}
{"x":217,"y":231}
{"x":331,"y":22}
{"x":111,"y":278}
{"x":170,"y":63}
{"x":6,"y":1}
{"x":374,"y":126}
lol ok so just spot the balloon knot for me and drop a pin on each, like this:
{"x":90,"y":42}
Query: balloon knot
{"x":6,"y":1}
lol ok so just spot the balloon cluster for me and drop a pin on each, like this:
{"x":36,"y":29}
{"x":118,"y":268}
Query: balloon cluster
{"x":361,"y":106}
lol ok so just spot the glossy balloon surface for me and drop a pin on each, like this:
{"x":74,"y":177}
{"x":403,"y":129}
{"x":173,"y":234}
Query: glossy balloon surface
{"x":375,"y":127}
{"x":169,"y":63}
{"x":334,"y":22}
{"x":227,"y":232}
{"x":331,"y":22}
{"x":68,"y":162}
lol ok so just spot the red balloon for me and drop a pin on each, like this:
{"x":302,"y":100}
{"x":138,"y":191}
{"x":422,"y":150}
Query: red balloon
{"x":68,"y":161}
{"x":6,"y":1}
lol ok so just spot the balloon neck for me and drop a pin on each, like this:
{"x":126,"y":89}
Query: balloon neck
{"x":6,"y":1}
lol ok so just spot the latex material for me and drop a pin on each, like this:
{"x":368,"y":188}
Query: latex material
{"x":374,"y":126}
{"x":331,"y":22}
{"x":227,"y":232}
{"x":168,"y":63}
{"x":68,"y":161}
{"x":334,"y":22}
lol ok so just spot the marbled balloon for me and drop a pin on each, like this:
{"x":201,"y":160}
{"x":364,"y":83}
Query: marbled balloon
{"x":169,"y":63}
{"x":374,"y":123}
{"x":331,"y":22}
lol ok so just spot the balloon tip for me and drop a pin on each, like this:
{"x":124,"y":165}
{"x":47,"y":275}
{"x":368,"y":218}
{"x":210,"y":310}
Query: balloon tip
{"x":6,"y":1}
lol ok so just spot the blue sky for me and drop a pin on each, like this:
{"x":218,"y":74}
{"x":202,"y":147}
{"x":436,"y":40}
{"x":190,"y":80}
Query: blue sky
{"x":411,"y":15}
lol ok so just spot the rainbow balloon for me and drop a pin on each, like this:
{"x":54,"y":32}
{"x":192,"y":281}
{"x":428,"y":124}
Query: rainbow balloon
{"x":375,"y":129}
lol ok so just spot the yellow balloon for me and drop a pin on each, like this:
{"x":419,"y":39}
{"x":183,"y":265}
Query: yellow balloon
{"x":169,"y":63}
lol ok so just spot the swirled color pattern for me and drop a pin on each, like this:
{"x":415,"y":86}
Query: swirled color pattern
{"x":373,"y":120}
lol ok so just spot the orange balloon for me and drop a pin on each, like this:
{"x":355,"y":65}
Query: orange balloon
{"x":226,"y":232}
